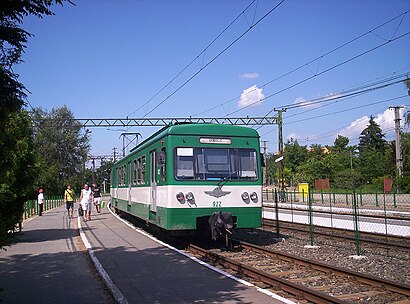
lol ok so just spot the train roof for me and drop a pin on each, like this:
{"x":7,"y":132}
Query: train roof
{"x":205,"y":129}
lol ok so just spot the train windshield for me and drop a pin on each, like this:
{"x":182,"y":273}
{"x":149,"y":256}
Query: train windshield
{"x":216,"y":164}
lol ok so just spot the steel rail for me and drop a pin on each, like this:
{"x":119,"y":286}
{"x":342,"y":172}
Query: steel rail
{"x":365,"y":278}
{"x":267,"y":278}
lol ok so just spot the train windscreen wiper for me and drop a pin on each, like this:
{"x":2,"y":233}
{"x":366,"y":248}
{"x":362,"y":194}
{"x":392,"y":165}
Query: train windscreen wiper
{"x":224,"y":180}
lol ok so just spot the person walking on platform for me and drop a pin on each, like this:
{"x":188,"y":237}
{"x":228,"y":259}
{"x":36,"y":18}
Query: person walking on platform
{"x":86,"y":197}
{"x":40,"y":199}
{"x":97,"y":197}
{"x":69,"y":200}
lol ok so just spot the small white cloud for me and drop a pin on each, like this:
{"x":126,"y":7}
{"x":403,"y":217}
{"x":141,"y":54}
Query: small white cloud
{"x":306,"y":104}
{"x":385,"y":120}
{"x":252,"y":96}
{"x":250,"y":75}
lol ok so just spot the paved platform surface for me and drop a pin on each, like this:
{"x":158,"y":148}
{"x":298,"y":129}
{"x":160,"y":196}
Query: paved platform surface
{"x":148,"y":272}
{"x":48,"y":264}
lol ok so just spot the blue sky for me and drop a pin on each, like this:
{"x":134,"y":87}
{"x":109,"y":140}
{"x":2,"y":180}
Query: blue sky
{"x":107,"y":59}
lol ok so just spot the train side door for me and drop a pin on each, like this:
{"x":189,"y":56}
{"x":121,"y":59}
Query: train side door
{"x":153,"y":181}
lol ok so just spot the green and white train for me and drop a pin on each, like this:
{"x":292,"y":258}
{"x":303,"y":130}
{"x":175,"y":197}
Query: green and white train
{"x":189,"y":177}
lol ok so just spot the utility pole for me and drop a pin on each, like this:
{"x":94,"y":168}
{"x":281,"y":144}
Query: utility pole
{"x":115,"y":154}
{"x":280,"y":146}
{"x":399,"y":159}
{"x":264,"y":168}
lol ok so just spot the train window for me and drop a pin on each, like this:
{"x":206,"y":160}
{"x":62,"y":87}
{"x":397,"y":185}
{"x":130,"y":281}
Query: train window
{"x":247,"y":163}
{"x":216,"y":163}
{"x":143,"y":169}
{"x":162,"y":164}
{"x":135,"y":172}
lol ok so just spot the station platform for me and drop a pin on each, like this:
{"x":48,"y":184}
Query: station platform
{"x":46,"y":265}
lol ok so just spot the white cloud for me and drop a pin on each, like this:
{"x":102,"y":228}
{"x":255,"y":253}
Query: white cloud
{"x":251,"y":96}
{"x":385,"y":120}
{"x":250,"y":75}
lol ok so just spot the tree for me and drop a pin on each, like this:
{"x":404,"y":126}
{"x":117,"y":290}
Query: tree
{"x":341,"y":143}
{"x":63,"y":146}
{"x":294,"y":155}
{"x":16,"y":153}
{"x":375,"y":155}
{"x":371,"y":138}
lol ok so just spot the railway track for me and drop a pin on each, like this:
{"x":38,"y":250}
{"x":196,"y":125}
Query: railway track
{"x":306,"y":280}
{"x":366,"y":237}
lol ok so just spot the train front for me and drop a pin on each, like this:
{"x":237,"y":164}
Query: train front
{"x":217,"y":180}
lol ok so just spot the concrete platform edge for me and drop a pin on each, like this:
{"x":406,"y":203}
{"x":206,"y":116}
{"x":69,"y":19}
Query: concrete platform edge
{"x":116,"y":293}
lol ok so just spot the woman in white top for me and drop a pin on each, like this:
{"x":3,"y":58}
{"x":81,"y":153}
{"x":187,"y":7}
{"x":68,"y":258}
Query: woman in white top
{"x":86,"y":197}
{"x":40,"y":200}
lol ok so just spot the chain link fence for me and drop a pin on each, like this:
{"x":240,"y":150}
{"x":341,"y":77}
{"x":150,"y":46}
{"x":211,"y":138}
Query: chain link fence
{"x":356,"y":216}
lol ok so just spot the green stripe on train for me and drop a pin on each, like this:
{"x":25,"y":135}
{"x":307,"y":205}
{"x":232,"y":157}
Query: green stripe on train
{"x":185,"y":218}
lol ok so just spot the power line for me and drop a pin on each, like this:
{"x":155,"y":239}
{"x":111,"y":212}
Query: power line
{"x":216,"y":57}
{"x":346,"y":110}
{"x":321,"y":73}
{"x":196,"y":58}
{"x":308,"y":63}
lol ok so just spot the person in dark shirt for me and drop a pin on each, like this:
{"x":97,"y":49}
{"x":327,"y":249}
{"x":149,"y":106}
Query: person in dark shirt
{"x":97,"y":197}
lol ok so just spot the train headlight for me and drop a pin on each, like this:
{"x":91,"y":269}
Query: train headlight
{"x":245,"y":196}
{"x":254,"y":196}
{"x":189,"y":196}
{"x":181,"y":197}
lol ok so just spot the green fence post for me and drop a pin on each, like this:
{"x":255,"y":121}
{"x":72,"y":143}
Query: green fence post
{"x":321,"y":195}
{"x":394,"y":199}
{"x":347,"y":200}
{"x":303,"y":195}
{"x":377,"y":200}
{"x":385,"y":218}
{"x":361,"y":198}
{"x":310,"y":198}
{"x":356,"y":224}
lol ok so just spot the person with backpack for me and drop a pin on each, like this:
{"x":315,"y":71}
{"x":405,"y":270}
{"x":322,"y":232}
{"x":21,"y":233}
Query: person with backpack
{"x":69,"y":200}
{"x":97,"y":197}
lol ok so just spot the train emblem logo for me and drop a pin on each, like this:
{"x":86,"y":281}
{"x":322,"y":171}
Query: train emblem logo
{"x":217,"y":192}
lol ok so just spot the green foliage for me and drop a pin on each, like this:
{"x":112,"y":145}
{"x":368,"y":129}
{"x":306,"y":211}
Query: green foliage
{"x":341,"y":143}
{"x":371,"y":138}
{"x":63,"y":145}
{"x":103,"y":173}
{"x":17,"y":169}
{"x":17,"y":159}
{"x":347,"y":179}
{"x":294,"y":155}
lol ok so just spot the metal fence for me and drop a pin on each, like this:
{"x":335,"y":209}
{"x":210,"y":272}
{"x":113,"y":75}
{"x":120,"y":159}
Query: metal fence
{"x":31,"y":206}
{"x":358,"y":214}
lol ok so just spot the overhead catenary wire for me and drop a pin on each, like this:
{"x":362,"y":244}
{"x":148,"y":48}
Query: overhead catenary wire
{"x":402,"y":15}
{"x":342,"y":111}
{"x":214,"y":58}
{"x":196,"y":57}
{"x":318,"y":74}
